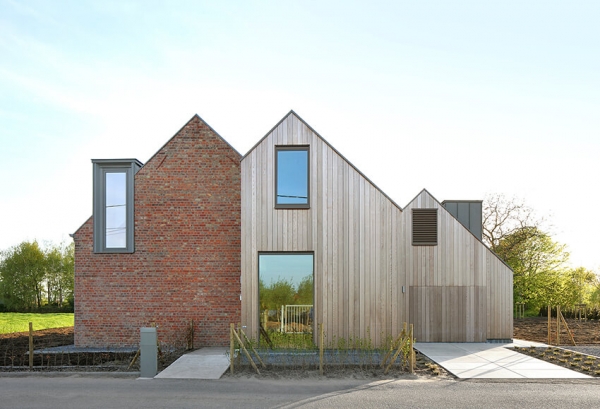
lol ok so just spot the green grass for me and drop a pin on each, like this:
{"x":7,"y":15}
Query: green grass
{"x":18,"y":322}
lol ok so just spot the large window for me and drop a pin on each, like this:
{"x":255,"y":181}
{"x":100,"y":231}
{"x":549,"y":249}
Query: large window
{"x":113,"y":205}
{"x":286,"y":293}
{"x":291,"y":177}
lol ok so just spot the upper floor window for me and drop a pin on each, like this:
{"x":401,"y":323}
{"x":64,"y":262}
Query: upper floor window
{"x":291,"y":177}
{"x":113,"y":205}
{"x":424,"y":227}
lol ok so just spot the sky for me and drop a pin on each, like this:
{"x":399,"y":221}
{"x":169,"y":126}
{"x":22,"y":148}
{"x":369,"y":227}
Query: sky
{"x":463,"y":98}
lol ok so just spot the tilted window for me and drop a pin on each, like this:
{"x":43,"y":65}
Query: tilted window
{"x":113,"y":205}
{"x":292,"y":177}
{"x":424,"y":227}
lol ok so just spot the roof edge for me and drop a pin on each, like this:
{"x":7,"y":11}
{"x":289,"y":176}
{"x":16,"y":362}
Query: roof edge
{"x":330,"y":146}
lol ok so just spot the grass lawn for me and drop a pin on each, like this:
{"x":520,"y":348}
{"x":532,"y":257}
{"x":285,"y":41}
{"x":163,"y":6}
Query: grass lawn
{"x":18,"y":322}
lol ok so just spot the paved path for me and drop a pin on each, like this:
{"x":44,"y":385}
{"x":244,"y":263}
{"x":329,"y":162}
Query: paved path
{"x":205,"y":363}
{"x":485,"y":361}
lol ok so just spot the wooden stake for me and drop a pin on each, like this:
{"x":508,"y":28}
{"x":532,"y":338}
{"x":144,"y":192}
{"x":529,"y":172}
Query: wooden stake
{"x":393,"y":346}
{"x":231,"y":347}
{"x":568,"y":330}
{"x":252,"y":348}
{"x":558,"y":325}
{"x":321,"y":348}
{"x":549,"y":325}
{"x":412,"y":353}
{"x":243,"y":348}
{"x":30,"y":346}
{"x":135,"y":357}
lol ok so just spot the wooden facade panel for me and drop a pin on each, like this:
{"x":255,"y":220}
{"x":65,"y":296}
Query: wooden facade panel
{"x":348,"y":227}
{"x":363,"y":253}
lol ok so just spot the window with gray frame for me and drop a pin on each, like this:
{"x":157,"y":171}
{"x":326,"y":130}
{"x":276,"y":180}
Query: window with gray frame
{"x":292,"y":177}
{"x":113,"y":204}
{"x":424,"y":227}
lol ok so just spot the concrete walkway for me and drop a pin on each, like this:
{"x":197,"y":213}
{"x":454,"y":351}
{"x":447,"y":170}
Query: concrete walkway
{"x":205,"y":363}
{"x":486,"y":361}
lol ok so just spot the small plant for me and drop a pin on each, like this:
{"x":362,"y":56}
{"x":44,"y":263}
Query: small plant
{"x":574,"y":364}
{"x":562,"y":360}
{"x":586,"y":368}
{"x":577,"y":359}
{"x":578,"y":355}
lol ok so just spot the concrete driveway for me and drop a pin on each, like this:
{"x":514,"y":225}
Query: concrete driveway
{"x":500,"y":361}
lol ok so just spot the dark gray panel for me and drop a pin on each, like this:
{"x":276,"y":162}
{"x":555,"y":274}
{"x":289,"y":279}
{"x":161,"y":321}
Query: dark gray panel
{"x":452,"y":208}
{"x":475,"y":219}
{"x":463,"y":214}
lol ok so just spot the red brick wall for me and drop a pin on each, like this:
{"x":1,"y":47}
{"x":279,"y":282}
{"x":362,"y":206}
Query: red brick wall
{"x":186,"y":264}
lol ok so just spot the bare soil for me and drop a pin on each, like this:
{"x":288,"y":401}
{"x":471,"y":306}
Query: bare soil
{"x":536,"y":329}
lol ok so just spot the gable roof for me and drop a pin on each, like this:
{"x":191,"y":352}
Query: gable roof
{"x":461,"y":225}
{"x":194,"y":117}
{"x":292,"y":113}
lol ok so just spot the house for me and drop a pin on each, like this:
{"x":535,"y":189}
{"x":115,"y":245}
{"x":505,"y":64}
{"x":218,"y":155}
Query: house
{"x":163,"y":245}
{"x":208,"y":229}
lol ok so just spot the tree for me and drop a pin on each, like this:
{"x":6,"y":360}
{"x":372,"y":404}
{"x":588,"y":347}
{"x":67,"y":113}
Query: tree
{"x":304,"y":293}
{"x":22,"y":272}
{"x":540,"y":275}
{"x":60,"y":273}
{"x":538,"y":265}
{"x":503,"y":217}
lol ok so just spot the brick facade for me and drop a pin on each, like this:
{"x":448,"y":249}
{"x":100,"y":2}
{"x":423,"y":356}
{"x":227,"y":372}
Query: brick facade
{"x":186,"y":264}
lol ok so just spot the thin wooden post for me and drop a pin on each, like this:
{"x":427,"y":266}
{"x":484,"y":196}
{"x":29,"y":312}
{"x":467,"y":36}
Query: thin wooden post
{"x":231,"y":347}
{"x":30,"y":346}
{"x":558,"y":325}
{"x":321,"y":336}
{"x":243,"y":348}
{"x":568,"y":329}
{"x":412,"y":353}
{"x":549,"y":325}
{"x":252,"y":348}
{"x":191,"y":334}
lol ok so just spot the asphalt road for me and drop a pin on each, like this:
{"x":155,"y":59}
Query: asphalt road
{"x":84,"y":391}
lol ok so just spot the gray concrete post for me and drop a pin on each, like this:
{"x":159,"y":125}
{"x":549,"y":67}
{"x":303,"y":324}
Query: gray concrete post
{"x":148,"y":353}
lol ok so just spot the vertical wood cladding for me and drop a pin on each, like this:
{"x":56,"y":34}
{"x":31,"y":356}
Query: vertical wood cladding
{"x":186,"y":264}
{"x":351,"y":227}
{"x":456,"y":290}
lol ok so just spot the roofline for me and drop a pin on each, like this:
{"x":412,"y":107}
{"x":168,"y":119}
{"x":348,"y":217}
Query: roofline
{"x":186,"y":124}
{"x":470,"y":232}
{"x":156,"y":153}
{"x":329,"y":145}
{"x":463,"y":201}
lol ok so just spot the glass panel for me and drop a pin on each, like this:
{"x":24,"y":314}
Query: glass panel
{"x":286,"y":297}
{"x":116,"y":210}
{"x":292,"y":176}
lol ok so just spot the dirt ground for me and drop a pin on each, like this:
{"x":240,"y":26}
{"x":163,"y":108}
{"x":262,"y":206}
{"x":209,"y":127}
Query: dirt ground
{"x":15,"y":345}
{"x":536,"y":329}
{"x":45,"y":338}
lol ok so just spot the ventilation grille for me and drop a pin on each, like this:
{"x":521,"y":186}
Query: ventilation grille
{"x":424,"y":227}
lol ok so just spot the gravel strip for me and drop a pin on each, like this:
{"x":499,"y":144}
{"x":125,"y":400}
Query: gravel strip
{"x":585,"y":349}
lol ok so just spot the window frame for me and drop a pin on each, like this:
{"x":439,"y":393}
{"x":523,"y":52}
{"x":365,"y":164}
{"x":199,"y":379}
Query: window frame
{"x":305,"y":148}
{"x":101,"y":168}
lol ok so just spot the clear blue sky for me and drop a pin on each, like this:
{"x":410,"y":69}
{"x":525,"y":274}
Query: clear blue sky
{"x":461,"y":98}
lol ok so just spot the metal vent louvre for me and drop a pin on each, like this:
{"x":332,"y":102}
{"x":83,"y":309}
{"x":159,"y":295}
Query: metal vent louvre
{"x":424,"y":227}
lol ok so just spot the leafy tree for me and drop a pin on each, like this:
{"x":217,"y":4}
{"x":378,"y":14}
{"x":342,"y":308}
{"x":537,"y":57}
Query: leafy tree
{"x":538,"y":266}
{"x":579,"y":285}
{"x":60,"y":273}
{"x":22,"y":272}
{"x":276,"y":294}
{"x":304,"y":292}
{"x":504,"y":218}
